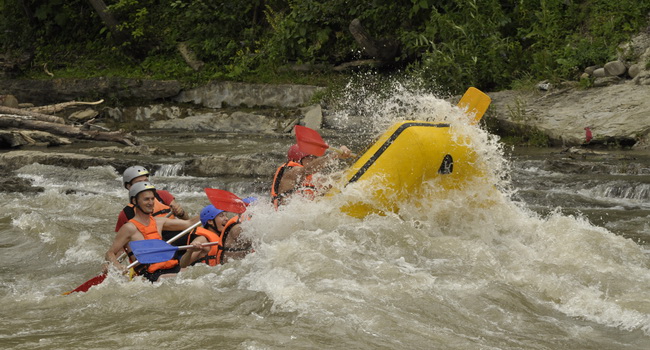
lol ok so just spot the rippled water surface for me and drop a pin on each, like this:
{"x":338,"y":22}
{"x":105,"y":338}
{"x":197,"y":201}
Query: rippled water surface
{"x":556,"y":258}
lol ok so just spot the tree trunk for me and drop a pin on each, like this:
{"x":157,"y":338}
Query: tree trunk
{"x":383,"y":50}
{"x":50,"y":109}
{"x":100,"y":7}
{"x":35,"y":115}
{"x":66,"y":130}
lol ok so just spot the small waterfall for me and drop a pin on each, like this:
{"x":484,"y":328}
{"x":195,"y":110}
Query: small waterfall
{"x":170,"y":169}
{"x":628,"y":191}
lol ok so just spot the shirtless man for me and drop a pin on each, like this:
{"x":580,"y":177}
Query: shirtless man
{"x":295,"y":176}
{"x":144,"y":226}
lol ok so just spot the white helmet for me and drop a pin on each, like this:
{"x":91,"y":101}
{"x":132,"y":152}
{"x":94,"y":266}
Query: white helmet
{"x":141,"y":187}
{"x":132,"y":172}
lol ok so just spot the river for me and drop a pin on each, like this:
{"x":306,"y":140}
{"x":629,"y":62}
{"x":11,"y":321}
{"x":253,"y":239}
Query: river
{"x":557,"y":258}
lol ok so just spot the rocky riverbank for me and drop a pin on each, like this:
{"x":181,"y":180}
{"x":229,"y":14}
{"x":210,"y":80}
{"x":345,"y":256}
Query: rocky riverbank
{"x":618,"y":116}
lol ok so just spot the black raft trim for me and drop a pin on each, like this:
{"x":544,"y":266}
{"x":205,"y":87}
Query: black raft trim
{"x":387,"y":144}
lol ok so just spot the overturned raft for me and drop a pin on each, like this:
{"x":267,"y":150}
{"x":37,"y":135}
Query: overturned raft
{"x":406,"y":156}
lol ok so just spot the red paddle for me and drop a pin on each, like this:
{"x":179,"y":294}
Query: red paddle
{"x":226,"y":201}
{"x":310,"y":141}
{"x":86,"y":285}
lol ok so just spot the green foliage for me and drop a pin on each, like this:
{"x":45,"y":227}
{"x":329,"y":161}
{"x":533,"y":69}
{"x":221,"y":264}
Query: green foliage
{"x":490,"y":44}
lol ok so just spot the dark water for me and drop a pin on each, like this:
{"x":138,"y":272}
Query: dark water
{"x":558,"y":258}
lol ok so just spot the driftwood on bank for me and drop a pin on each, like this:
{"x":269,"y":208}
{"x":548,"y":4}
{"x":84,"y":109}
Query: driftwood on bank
{"x":50,"y":109}
{"x":34,"y":115}
{"x":66,"y":130}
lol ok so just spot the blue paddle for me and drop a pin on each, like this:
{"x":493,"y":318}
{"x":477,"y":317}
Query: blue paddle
{"x":150,"y":251}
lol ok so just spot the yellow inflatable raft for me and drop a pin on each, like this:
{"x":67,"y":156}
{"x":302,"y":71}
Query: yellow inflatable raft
{"x":402,"y":159}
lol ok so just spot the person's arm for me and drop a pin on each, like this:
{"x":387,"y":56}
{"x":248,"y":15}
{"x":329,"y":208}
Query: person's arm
{"x":122,"y":238}
{"x":234,"y":241}
{"x":166,"y":224}
{"x":294,"y":175}
{"x":195,"y":253}
{"x":319,"y":163}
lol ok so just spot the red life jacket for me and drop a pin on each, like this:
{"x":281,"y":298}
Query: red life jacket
{"x":151,"y":232}
{"x":306,"y":188}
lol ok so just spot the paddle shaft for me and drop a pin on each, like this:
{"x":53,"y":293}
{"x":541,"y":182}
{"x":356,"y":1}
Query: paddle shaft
{"x":338,"y":150}
{"x":183,"y":247}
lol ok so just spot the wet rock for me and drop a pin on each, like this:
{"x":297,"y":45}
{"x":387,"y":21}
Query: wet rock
{"x":218,"y":165}
{"x":615,"y":112}
{"x":41,"y":92}
{"x":9,"y":101}
{"x":615,"y":68}
{"x":313,"y":117}
{"x":19,"y":138}
{"x":223,"y":94}
{"x":643,"y":78}
{"x":15,"y":159}
{"x":590,"y":70}
{"x":600,"y":73}
{"x":83,"y":116}
{"x":606,"y":81}
{"x":141,"y":150}
{"x":634,"y":70}
{"x":18,"y":184}
{"x":237,"y":122}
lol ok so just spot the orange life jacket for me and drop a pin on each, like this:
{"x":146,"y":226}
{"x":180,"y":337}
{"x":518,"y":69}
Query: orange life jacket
{"x":306,"y":188}
{"x":215,"y":254}
{"x":151,"y":232}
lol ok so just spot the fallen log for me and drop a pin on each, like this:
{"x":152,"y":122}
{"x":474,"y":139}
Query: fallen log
{"x":51,"y":109}
{"x":34,"y":115}
{"x":66,"y":130}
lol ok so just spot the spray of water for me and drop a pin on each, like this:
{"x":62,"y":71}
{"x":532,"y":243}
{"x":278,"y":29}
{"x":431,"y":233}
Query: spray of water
{"x":467,"y":249}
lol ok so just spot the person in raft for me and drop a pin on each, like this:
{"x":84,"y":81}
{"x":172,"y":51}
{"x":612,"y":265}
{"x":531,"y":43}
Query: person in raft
{"x":144,"y":226}
{"x":218,"y":226}
{"x":295,"y":176}
{"x":165,"y":202}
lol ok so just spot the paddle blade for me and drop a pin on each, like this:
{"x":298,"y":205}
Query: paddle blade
{"x":226,"y":201}
{"x":86,"y":285}
{"x":310,"y":141}
{"x":475,"y":102}
{"x":150,"y":251}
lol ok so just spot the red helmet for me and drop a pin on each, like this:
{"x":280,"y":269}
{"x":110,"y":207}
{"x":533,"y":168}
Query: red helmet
{"x":295,"y":154}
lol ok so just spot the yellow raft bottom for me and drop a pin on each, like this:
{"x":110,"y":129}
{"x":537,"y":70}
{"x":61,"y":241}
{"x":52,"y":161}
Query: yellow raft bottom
{"x":408,"y":154}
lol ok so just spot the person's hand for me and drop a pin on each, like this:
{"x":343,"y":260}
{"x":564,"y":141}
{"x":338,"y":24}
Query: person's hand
{"x":345,"y":152}
{"x":195,"y":246}
{"x":177,"y":210}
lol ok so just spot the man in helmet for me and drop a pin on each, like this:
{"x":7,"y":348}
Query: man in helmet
{"x":165,"y":202}
{"x":143,"y":225}
{"x":295,"y":176}
{"x":218,"y":226}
